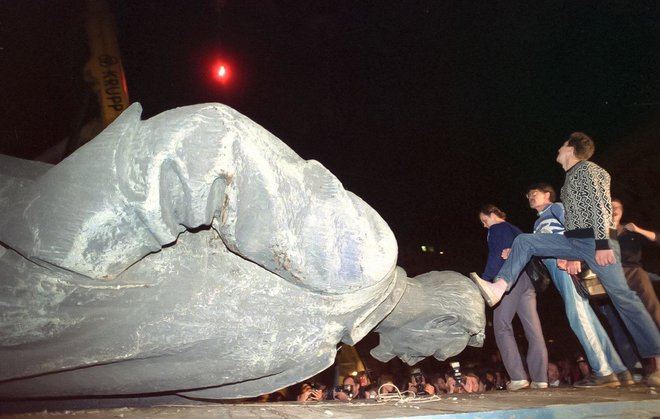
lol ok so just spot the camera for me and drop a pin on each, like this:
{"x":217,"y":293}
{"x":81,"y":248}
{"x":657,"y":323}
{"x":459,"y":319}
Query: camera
{"x":314,"y":392}
{"x":456,"y":370}
{"x":420,"y":385}
{"x":345,"y":388}
{"x":419,"y":381}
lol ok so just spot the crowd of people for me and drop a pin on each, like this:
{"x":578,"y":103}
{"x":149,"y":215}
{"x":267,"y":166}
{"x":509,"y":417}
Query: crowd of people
{"x":416,"y":383}
{"x":445,"y":380}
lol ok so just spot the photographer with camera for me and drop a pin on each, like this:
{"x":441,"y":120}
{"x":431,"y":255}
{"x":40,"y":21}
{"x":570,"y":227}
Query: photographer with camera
{"x":367,"y":390}
{"x":417,"y":383}
{"x":470,"y":383}
{"x":349,"y":390}
{"x":312,"y":392}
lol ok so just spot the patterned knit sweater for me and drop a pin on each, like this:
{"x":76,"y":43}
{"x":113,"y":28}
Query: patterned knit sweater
{"x":586,"y":198}
{"x":551,"y":220}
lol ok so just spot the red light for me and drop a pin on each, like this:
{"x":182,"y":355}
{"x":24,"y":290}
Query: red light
{"x":221,"y":72}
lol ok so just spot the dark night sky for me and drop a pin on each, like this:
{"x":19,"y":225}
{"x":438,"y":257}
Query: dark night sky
{"x":425,"y":109}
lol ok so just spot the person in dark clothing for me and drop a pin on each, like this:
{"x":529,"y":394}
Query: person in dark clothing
{"x":520,"y":300}
{"x":632,"y":238}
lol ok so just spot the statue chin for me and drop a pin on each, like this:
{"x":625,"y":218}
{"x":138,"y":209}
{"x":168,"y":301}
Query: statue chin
{"x":195,"y":253}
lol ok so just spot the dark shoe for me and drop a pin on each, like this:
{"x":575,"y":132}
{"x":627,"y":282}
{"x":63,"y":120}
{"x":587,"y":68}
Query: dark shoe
{"x":625,"y":378}
{"x":595,"y":381}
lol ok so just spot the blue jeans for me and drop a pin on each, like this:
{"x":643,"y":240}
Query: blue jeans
{"x":620,"y":335}
{"x":640,"y":282}
{"x":598,"y":348}
{"x":633,"y":313}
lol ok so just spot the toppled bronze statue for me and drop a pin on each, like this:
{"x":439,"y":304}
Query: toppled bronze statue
{"x":195,"y":253}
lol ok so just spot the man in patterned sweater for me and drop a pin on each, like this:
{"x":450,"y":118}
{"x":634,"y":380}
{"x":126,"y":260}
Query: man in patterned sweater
{"x":589,"y":236}
{"x":608,"y":369}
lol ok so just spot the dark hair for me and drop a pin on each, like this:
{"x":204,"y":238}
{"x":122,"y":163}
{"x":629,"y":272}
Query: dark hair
{"x":543,"y":187}
{"x":492,"y":209}
{"x":615,"y":199}
{"x":583,"y":144}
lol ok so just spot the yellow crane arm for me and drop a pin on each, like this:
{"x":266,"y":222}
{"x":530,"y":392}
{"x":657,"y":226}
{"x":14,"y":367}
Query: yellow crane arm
{"x":104,"y":68}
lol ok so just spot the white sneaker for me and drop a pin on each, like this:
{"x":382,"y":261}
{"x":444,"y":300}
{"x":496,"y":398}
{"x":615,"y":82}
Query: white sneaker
{"x":538,"y":384}
{"x":515,"y":385}
{"x":485,"y":289}
{"x":653,"y":379}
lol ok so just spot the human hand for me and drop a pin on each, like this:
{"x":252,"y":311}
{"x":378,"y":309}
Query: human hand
{"x":316,"y":395}
{"x":573,"y":267}
{"x":305,"y":393}
{"x":605,"y":257}
{"x":471,"y":385}
{"x":505,"y":253}
{"x":429,"y":389}
{"x":340,"y":396}
{"x":562,"y":264}
{"x":631,"y":227}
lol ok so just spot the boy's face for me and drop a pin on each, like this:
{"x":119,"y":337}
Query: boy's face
{"x":487,"y":220}
{"x":538,"y":199}
{"x":565,"y":153}
{"x":617,"y":211}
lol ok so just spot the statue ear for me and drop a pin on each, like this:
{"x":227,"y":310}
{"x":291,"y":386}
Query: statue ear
{"x":444,"y":321}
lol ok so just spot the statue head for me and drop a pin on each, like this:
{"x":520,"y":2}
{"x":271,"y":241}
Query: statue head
{"x":439,"y":314}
